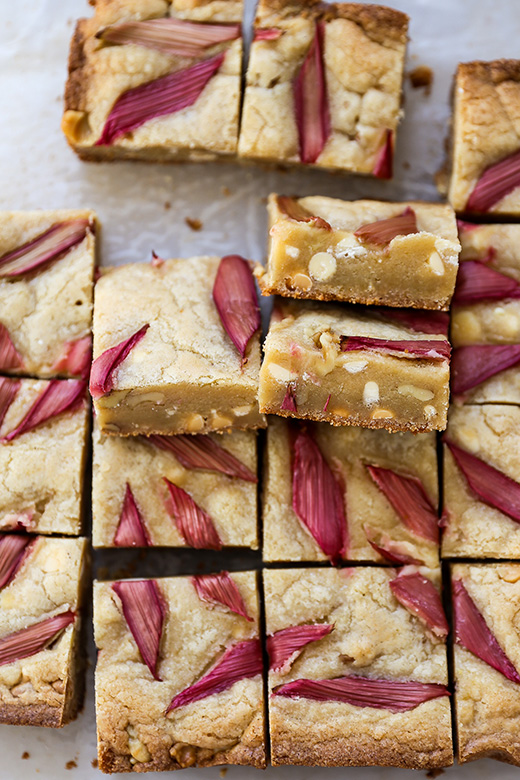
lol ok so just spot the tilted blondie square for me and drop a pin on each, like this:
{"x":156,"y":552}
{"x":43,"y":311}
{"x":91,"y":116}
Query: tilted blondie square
{"x":486,"y":601}
{"x":155,"y":80}
{"x":482,"y":482}
{"x":42,"y":582}
{"x":323,"y":85}
{"x":177,"y":347}
{"x":485,"y":140}
{"x":44,"y":425}
{"x":358,"y":668}
{"x":179,"y":673}
{"x":353,"y":366}
{"x":365,"y":251}
{"x":46,"y":281}
{"x":173,"y":491}
{"x":369,"y":495}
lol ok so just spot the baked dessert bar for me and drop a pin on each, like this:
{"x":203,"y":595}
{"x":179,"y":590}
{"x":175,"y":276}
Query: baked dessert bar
{"x":187,"y":490}
{"x":176,"y":347}
{"x":365,"y":251}
{"x":323,"y":85}
{"x":485,"y":146}
{"x":155,"y":80}
{"x":44,"y":425}
{"x":353,"y":366}
{"x":486,"y":600}
{"x":358,"y":668}
{"x":349,"y":494}
{"x":46,"y":256}
{"x":482,"y":482}
{"x":179,"y":673}
{"x":41,"y":645}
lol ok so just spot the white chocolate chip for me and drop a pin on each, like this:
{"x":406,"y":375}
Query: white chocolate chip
{"x":241,"y":411}
{"x":302,"y":281}
{"x":469,"y":438}
{"x":507,"y":322}
{"x":322,"y":266}
{"x":281,"y":374}
{"x":153,"y":397}
{"x":292,"y":251}
{"x":417,"y":392}
{"x":466,"y":326}
{"x":138,"y":750}
{"x":221,"y":420}
{"x":436,"y":264}
{"x":349,"y":247}
{"x":194,"y":423}
{"x":382,"y":414}
{"x":509,"y":573}
{"x":355,"y":366}
{"x":430,"y":411}
{"x":371,"y":393}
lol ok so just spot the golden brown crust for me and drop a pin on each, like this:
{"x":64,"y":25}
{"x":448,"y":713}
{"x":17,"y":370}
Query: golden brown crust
{"x":75,"y":86}
{"x":494,"y":72}
{"x":32,"y":715}
{"x":486,"y":747}
{"x":388,"y":424}
{"x":240,"y":755}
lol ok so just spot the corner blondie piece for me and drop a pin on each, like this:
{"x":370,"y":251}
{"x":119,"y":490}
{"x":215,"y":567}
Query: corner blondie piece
{"x":356,"y":679}
{"x":44,"y":425}
{"x":165,"y":361}
{"x":155,"y":80}
{"x":41,"y":644}
{"x":482,"y":482}
{"x":487,"y":681}
{"x":323,"y":85}
{"x":353,"y":366}
{"x":213,"y":474}
{"x":387,"y":490}
{"x":485,"y":154}
{"x":179,"y":683}
{"x":46,"y":280}
{"x":366,"y":251}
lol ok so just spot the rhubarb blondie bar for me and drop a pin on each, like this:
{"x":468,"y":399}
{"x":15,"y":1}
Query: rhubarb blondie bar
{"x":482,"y":482}
{"x":155,"y":80}
{"x":46,"y":279}
{"x":366,"y":251}
{"x":193,"y":490}
{"x":179,"y":673}
{"x":373,"y":495}
{"x":486,"y":602}
{"x":355,"y":366}
{"x":41,"y":650}
{"x":177,"y":347}
{"x":43,"y":442}
{"x":323,"y":85}
{"x":358,"y":668}
{"x":485,"y":143}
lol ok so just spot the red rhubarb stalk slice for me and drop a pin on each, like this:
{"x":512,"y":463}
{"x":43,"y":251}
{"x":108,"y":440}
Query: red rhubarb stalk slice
{"x":464,"y":226}
{"x":429,"y":350}
{"x":34,"y":639}
{"x":384,"y":230}
{"x":267,"y":34}
{"x":317,"y":498}
{"x":431,"y":322}
{"x":408,"y":497}
{"x":289,"y":400}
{"x":193,"y":523}
{"x":420,"y":596}
{"x":171,"y":36}
{"x":393,"y":695}
{"x":23,"y":521}
{"x":12,"y":552}
{"x":103,"y":367}
{"x":235,"y":297}
{"x":496,"y":182}
{"x":44,"y":249}
{"x":239,"y":662}
{"x":58,"y":397}
{"x":8,"y":391}
{"x":286,"y":645}
{"x":144,"y":612}
{"x":9,"y":355}
{"x":131,"y":530}
{"x":221,"y":589}
{"x":200,"y":451}
{"x":492,"y":486}
{"x":473,"y":633}
{"x":389,"y":549}
{"x":473,"y":364}
{"x":384,"y":164}
{"x":165,"y":95}
{"x":294,"y":210}
{"x":311,"y":104}
{"x":477,"y":282}
{"x":75,"y":358}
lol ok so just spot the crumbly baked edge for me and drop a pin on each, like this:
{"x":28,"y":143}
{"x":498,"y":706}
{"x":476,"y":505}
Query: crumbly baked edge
{"x":387,"y":423}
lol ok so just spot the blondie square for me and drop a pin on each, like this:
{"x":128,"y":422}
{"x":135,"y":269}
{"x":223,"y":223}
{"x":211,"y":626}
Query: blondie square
{"x":41,"y":645}
{"x":486,"y":600}
{"x":323,"y":85}
{"x":155,"y":80}
{"x":145,"y":490}
{"x":482,"y":482}
{"x":355,"y":366}
{"x":485,"y":153}
{"x":387,"y":495}
{"x":176,"y":347}
{"x":44,"y":425}
{"x":366,"y":251}
{"x":179,"y":673}
{"x":356,"y":678}
{"x":46,"y":280}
